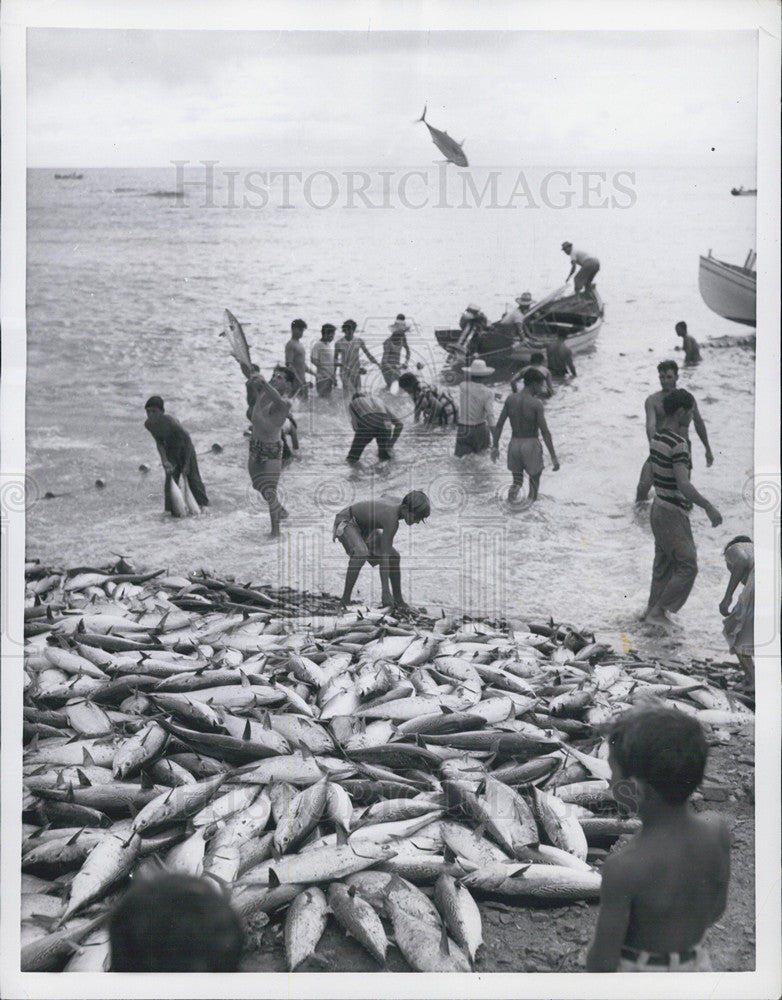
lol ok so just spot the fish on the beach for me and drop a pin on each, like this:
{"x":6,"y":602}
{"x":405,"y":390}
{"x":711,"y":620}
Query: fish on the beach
{"x":450,"y":148}
{"x":304,"y":758}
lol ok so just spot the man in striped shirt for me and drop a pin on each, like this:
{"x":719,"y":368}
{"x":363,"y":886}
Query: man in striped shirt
{"x":675,"y":557}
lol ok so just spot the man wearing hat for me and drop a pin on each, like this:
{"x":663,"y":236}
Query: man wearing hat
{"x":176,"y":452}
{"x":347,"y":358}
{"x":587,"y":264}
{"x":322,"y":356}
{"x":515,"y":317}
{"x":391,"y":365}
{"x":296,"y":357}
{"x":476,"y":411}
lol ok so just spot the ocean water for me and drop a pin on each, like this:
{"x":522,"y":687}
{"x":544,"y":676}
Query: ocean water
{"x":126,"y":287}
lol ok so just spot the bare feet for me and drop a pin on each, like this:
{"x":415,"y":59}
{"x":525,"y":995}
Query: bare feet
{"x":657,"y":616}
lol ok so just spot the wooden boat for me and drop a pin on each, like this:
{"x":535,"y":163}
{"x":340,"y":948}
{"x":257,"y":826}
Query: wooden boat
{"x":742,"y":190}
{"x":729,"y":289}
{"x":580,"y":315}
{"x":68,"y":177}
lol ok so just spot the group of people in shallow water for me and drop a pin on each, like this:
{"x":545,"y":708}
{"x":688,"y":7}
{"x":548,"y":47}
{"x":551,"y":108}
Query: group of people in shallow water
{"x":273,"y":439}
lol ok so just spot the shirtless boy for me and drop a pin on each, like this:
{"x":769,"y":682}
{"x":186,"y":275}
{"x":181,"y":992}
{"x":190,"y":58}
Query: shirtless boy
{"x":668,"y":372}
{"x":269,"y":407}
{"x":525,"y":454}
{"x":662,"y":892}
{"x":366,"y":530}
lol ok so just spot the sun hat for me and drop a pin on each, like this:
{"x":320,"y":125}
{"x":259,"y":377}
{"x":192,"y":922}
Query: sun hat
{"x":567,"y":245}
{"x":524,"y":297}
{"x":399,"y":326}
{"x":472,"y":308}
{"x":478,"y":367}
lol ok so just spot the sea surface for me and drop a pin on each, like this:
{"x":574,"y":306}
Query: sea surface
{"x":128,"y":274}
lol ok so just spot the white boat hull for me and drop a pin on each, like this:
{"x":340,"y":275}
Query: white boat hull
{"x":728,"y":290}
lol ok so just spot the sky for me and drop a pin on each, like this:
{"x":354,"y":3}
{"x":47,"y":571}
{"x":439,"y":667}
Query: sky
{"x":126,"y":98}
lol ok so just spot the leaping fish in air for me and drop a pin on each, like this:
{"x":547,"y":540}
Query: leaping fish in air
{"x":450,"y":148}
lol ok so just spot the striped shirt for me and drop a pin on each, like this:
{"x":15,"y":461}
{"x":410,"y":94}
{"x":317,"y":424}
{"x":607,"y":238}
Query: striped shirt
{"x":666,"y":450}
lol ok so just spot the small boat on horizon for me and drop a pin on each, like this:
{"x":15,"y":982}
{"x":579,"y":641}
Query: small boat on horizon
{"x":730,"y":290}
{"x":742,"y":190}
{"x":579,"y":315}
{"x":68,"y":177}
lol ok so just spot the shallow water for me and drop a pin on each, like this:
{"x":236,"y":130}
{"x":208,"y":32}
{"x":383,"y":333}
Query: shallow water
{"x":125,"y":299}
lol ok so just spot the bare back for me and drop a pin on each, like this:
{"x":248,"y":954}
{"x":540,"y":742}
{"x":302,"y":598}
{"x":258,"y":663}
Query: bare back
{"x":523,"y":410}
{"x":375,"y":515}
{"x":677,"y":881}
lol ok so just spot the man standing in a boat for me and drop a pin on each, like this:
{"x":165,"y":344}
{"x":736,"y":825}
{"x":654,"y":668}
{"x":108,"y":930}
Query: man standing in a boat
{"x":587,"y":265}
{"x":668,"y":372}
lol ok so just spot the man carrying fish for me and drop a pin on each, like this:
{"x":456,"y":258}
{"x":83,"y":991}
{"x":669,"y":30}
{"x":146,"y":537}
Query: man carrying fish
{"x":663,"y":891}
{"x":347,"y":358}
{"x":525,"y":453}
{"x":366,"y":531}
{"x":176,"y":453}
{"x":269,"y":408}
{"x":668,"y":373}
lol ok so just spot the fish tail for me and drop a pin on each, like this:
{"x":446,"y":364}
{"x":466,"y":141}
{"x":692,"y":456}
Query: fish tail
{"x":422,"y":118}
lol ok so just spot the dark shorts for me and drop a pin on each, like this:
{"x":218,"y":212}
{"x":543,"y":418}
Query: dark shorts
{"x":525,"y":455}
{"x":264,"y":464}
{"x":588,"y":270}
{"x":472,"y":439}
{"x":354,"y":543}
{"x":324,"y":387}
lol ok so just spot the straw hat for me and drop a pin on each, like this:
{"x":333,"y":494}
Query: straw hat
{"x":524,"y":298}
{"x":478,"y":368}
{"x":399,"y":326}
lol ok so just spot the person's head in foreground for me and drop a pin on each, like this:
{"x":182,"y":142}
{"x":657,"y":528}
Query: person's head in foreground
{"x":415,"y":507}
{"x":657,"y":757}
{"x":681,"y":328}
{"x":174,"y":923}
{"x":349,"y":328}
{"x":327,"y":332}
{"x":537,"y":359}
{"x":679,"y":404}
{"x":283,"y":380}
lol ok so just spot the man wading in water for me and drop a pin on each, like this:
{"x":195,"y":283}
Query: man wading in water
{"x":525,"y":452}
{"x":269,"y":407}
{"x":176,"y":452}
{"x":366,"y":530}
{"x":668,"y":372}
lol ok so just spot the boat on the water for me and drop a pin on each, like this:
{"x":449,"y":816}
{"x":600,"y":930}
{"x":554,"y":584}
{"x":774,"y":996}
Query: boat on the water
{"x":729,"y":289}
{"x":743,"y":190}
{"x":579,"y":315}
{"x":68,"y":177}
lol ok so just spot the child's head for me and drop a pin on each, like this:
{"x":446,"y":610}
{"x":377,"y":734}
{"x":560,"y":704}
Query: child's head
{"x":663,"y":748}
{"x":174,"y":923}
{"x":415,"y":507}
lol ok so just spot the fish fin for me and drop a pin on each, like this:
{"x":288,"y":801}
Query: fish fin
{"x":72,"y":840}
{"x":274,"y":880}
{"x":352,"y":891}
{"x":448,"y":855}
{"x":84,"y":781}
{"x":245,"y":679}
{"x":342,"y":835}
{"x":146,"y":779}
{"x":423,"y":119}
{"x":39,"y":770}
{"x":247,"y":732}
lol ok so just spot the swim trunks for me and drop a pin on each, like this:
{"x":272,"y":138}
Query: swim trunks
{"x":471,"y":438}
{"x":347,"y":530}
{"x":525,"y":455}
{"x":264,"y":451}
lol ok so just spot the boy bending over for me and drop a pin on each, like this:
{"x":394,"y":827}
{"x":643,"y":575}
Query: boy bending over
{"x":668,"y":886}
{"x":366,"y":530}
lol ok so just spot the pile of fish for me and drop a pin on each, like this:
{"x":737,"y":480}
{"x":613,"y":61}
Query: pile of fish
{"x":381,"y":771}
